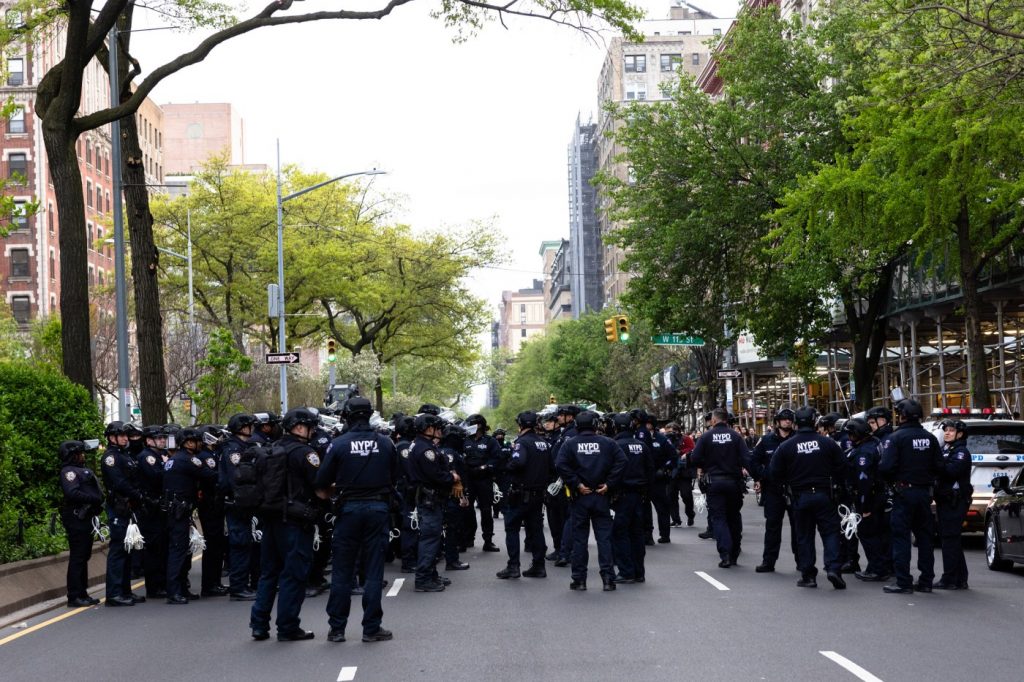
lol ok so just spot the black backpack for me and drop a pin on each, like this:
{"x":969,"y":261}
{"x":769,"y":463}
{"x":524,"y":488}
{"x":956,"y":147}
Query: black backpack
{"x":246,"y":479}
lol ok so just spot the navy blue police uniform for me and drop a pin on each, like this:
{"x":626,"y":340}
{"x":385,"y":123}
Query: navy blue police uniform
{"x":953,"y":493}
{"x":432,"y":481}
{"x":722,"y":455}
{"x":777,"y":506}
{"x":121,"y":479}
{"x":628,"y":525}
{"x":211,"y":518}
{"x":810,"y":464}
{"x":153,"y":521}
{"x":243,"y":553}
{"x":362,"y":467}
{"x":871,"y":501}
{"x":482,"y":457}
{"x":82,"y":501}
{"x":183,"y":473}
{"x":529,"y":471}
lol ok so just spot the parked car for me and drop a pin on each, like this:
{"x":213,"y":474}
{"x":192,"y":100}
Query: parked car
{"x":996,"y":443}
{"x":1004,"y":527}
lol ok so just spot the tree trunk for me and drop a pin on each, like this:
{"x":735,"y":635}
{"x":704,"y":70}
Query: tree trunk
{"x":378,"y":386}
{"x":969,"y":271}
{"x":76,"y":339}
{"x":148,"y":323}
{"x":867,"y":333}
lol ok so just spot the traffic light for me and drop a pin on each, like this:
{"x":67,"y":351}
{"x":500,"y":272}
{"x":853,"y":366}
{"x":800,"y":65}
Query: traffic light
{"x":609,"y":330}
{"x":551,"y":399}
{"x":622,"y":328}
{"x":332,"y":350}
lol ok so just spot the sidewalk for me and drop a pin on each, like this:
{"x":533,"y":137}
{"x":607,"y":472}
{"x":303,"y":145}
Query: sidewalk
{"x":31,"y":587}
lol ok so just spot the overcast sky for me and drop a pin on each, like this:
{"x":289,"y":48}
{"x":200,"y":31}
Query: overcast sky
{"x":472,"y":131}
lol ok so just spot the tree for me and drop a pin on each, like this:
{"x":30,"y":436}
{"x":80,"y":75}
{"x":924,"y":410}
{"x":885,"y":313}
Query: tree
{"x":218,"y":390}
{"x":526,"y":385}
{"x":85,"y":30}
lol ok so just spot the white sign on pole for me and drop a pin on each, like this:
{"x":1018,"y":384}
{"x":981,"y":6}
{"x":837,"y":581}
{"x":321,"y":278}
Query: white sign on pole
{"x":747,"y":349}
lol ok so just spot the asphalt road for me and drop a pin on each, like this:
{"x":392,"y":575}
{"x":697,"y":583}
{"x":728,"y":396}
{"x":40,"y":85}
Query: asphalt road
{"x":676,"y":626}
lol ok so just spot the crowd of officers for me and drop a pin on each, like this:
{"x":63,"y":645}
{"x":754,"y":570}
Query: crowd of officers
{"x":361,"y":494}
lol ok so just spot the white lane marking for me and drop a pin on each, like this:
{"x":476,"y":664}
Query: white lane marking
{"x":347,"y":674}
{"x":393,"y":592}
{"x":717,"y":585}
{"x":850,"y":666}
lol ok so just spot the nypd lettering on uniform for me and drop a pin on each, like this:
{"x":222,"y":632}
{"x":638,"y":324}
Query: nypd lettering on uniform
{"x":721,"y":438}
{"x":636,"y":448}
{"x":588,"y":448}
{"x":921,"y":443}
{"x":364,"y":448}
{"x":808,"y":447}
{"x":541,"y":445}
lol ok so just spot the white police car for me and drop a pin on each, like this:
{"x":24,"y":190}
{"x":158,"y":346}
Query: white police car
{"x":996,"y":444}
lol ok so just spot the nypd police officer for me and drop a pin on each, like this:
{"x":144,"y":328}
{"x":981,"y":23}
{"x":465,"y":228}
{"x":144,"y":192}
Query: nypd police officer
{"x":722,"y":457}
{"x":871,"y":501}
{"x":810,"y":463}
{"x":911,"y":461}
{"x":359,"y":471}
{"x":120,"y":477}
{"x":628,"y":526}
{"x":591,"y":466}
{"x":773,"y":496}
{"x":243,"y":553}
{"x":529,"y":470}
{"x":432,"y":481}
{"x":82,"y":501}
{"x":953,"y":492}
{"x":153,"y":520}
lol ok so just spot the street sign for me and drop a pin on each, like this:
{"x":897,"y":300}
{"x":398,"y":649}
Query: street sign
{"x":282,"y":358}
{"x":676,"y":340}
{"x":729,"y":374}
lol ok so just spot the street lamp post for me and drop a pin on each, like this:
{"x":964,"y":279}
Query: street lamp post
{"x":120,"y":287}
{"x":283,"y":376}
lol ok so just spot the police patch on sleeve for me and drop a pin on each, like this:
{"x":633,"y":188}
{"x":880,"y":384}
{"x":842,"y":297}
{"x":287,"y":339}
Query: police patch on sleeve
{"x":235,"y":457}
{"x":109,"y":460}
{"x":211,"y":462}
{"x":405,"y":453}
{"x":150,"y":460}
{"x":168,"y":464}
{"x":197,"y":462}
{"x":313,"y":459}
{"x":70,"y":475}
{"x":429,"y":454}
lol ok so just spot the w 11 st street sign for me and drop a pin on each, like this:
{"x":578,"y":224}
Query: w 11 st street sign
{"x":676,"y":340}
{"x":282,"y":358}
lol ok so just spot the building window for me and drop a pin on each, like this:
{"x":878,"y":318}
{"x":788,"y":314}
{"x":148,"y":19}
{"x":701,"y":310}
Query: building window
{"x":16,"y":122}
{"x":108,"y":202}
{"x":88,"y":153}
{"x":50,"y":217}
{"x":16,"y":71}
{"x":88,"y":193}
{"x":92,"y":276}
{"x":17,"y":167}
{"x":90,"y":243}
{"x":636,"y":63}
{"x":19,"y":220}
{"x":696,"y":58}
{"x":13,"y":18}
{"x":716,"y":31}
{"x":99,"y":198}
{"x":522,"y":333}
{"x":637,"y":91}
{"x":19,"y":263}
{"x":102,"y":278}
{"x":671,"y":62}
{"x":21,"y":308}
{"x":53,"y":266}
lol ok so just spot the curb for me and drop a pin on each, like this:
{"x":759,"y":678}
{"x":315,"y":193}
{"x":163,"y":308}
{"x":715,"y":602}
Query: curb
{"x":27,"y":583}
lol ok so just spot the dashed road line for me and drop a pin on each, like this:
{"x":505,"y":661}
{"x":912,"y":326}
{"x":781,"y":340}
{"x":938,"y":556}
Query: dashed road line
{"x":850,"y":666}
{"x":393,"y":592}
{"x":717,"y":585}
{"x":347,"y":674}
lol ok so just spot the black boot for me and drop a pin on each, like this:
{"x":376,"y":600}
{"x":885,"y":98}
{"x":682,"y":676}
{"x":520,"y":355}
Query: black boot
{"x":536,"y":571}
{"x":510,"y":571}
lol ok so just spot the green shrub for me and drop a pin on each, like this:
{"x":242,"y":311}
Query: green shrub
{"x":39,"y":408}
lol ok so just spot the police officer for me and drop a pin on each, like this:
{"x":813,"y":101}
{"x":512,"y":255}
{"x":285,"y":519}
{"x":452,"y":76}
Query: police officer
{"x":911,"y":461}
{"x":556,"y":503}
{"x":591,"y":466}
{"x":211,"y":514}
{"x":870,"y":500}
{"x":810,"y":464}
{"x":120,"y":478}
{"x":776,"y":503}
{"x":722,"y":457}
{"x":82,"y":501}
{"x":665,"y":460}
{"x":501,"y":471}
{"x":360,"y":470}
{"x":432,"y":482}
{"x":529,"y":470}
{"x":243,"y":553}
{"x":953,"y":492}
{"x":152,"y":519}
{"x":458,"y":512}
{"x":566,"y":419}
{"x":405,"y":432}
{"x":827,"y":425}
{"x":482,"y":458}
{"x":880,"y":420}
{"x":628,"y":525}
{"x":183,"y":473}
{"x":286,"y":549}
{"x":267,"y":427}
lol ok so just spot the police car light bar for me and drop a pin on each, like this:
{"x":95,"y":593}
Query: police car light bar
{"x":984,"y":413}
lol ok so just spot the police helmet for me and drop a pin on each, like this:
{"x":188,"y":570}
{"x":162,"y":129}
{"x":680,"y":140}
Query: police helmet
{"x":587,"y":420}
{"x":499,"y":432}
{"x":956,"y":424}
{"x":190,"y":434}
{"x":548,"y":417}
{"x":857,"y":428}
{"x":526,"y":420}
{"x":424,"y":422}
{"x":237,"y":422}
{"x":69,"y":448}
{"x":132,"y":431}
{"x":357,"y":408}
{"x":153,"y":431}
{"x":805,"y":417}
{"x":568,"y":409}
{"x":785,"y":413}
{"x":429,"y":408}
{"x":454,"y":434}
{"x":115,"y":428}
{"x":405,"y":426}
{"x":622,"y":421}
{"x":212,"y":435}
{"x":477,"y":420}
{"x":879,"y":412}
{"x":827,"y":421}
{"x":300,"y":416}
{"x":910,"y":410}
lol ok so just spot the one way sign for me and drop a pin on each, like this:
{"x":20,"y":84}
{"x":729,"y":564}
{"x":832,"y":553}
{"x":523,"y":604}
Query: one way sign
{"x":282,"y":358}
